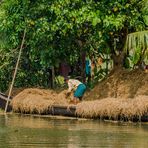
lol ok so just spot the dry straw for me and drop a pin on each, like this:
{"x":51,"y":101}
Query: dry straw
{"x":114,"y":108}
{"x":40,"y":101}
{"x":37,"y":100}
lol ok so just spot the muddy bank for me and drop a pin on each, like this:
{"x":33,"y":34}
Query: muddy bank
{"x":121,"y":84}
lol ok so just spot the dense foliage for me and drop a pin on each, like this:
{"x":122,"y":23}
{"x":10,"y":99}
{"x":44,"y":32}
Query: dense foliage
{"x":61,"y":30}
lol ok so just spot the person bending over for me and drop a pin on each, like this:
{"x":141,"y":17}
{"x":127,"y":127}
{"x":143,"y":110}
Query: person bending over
{"x":78,"y":87}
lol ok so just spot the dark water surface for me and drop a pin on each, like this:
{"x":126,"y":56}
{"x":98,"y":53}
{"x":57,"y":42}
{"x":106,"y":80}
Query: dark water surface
{"x":18,"y":131}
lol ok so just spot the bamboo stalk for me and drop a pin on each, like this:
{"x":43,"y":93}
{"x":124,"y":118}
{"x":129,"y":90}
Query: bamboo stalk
{"x":3,"y":98}
{"x":15,"y":72}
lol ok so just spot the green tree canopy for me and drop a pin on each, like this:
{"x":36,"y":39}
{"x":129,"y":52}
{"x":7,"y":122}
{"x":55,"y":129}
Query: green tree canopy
{"x":61,"y":29}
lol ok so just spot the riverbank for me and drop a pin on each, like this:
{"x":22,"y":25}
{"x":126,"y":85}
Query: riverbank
{"x":122,"y":96}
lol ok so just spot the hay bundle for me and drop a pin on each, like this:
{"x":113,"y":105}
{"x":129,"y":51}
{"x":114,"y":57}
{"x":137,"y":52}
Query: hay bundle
{"x":37,"y":100}
{"x":114,"y":108}
{"x":135,"y":107}
{"x":62,"y":99}
{"x":86,"y":109}
{"x":109,"y":107}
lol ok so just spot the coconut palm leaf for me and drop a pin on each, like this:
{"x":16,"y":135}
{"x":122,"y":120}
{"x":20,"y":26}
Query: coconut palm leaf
{"x":137,"y":44}
{"x":136,"y":40}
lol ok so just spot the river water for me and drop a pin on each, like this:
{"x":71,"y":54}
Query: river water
{"x":21,"y":131}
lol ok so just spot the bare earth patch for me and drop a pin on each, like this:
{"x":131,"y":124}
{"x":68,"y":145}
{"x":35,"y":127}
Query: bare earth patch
{"x":121,"y":84}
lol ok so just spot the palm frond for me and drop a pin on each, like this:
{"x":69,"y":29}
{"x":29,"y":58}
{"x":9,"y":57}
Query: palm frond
{"x":137,"y":40}
{"x":137,"y":46}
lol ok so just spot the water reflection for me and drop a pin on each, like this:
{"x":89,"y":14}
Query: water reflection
{"x":26,"y":131}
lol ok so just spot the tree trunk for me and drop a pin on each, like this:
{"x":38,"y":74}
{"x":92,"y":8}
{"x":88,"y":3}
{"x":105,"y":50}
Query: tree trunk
{"x":82,"y":60}
{"x":53,"y":77}
{"x":118,"y":60}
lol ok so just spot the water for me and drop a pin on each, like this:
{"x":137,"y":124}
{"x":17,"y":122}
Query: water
{"x":19,"y":131}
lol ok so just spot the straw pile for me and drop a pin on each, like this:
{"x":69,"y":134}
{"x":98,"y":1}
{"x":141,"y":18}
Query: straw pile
{"x":114,"y":108}
{"x":106,"y":98}
{"x":15,"y":91}
{"x":121,"y":83}
{"x":37,"y":100}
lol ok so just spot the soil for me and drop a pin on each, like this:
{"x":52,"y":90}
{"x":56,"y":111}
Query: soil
{"x":119,"y":84}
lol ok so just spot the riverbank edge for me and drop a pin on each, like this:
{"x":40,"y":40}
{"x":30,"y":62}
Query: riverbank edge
{"x":70,"y":112}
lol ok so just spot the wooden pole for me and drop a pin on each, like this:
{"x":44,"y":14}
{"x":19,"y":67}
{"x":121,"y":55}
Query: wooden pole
{"x":15,"y":72}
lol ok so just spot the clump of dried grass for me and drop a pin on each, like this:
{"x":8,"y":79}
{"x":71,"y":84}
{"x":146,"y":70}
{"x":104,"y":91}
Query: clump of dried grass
{"x":37,"y":100}
{"x":109,"y":107}
{"x":136,"y":107}
{"x":114,"y":108}
{"x":40,"y":100}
